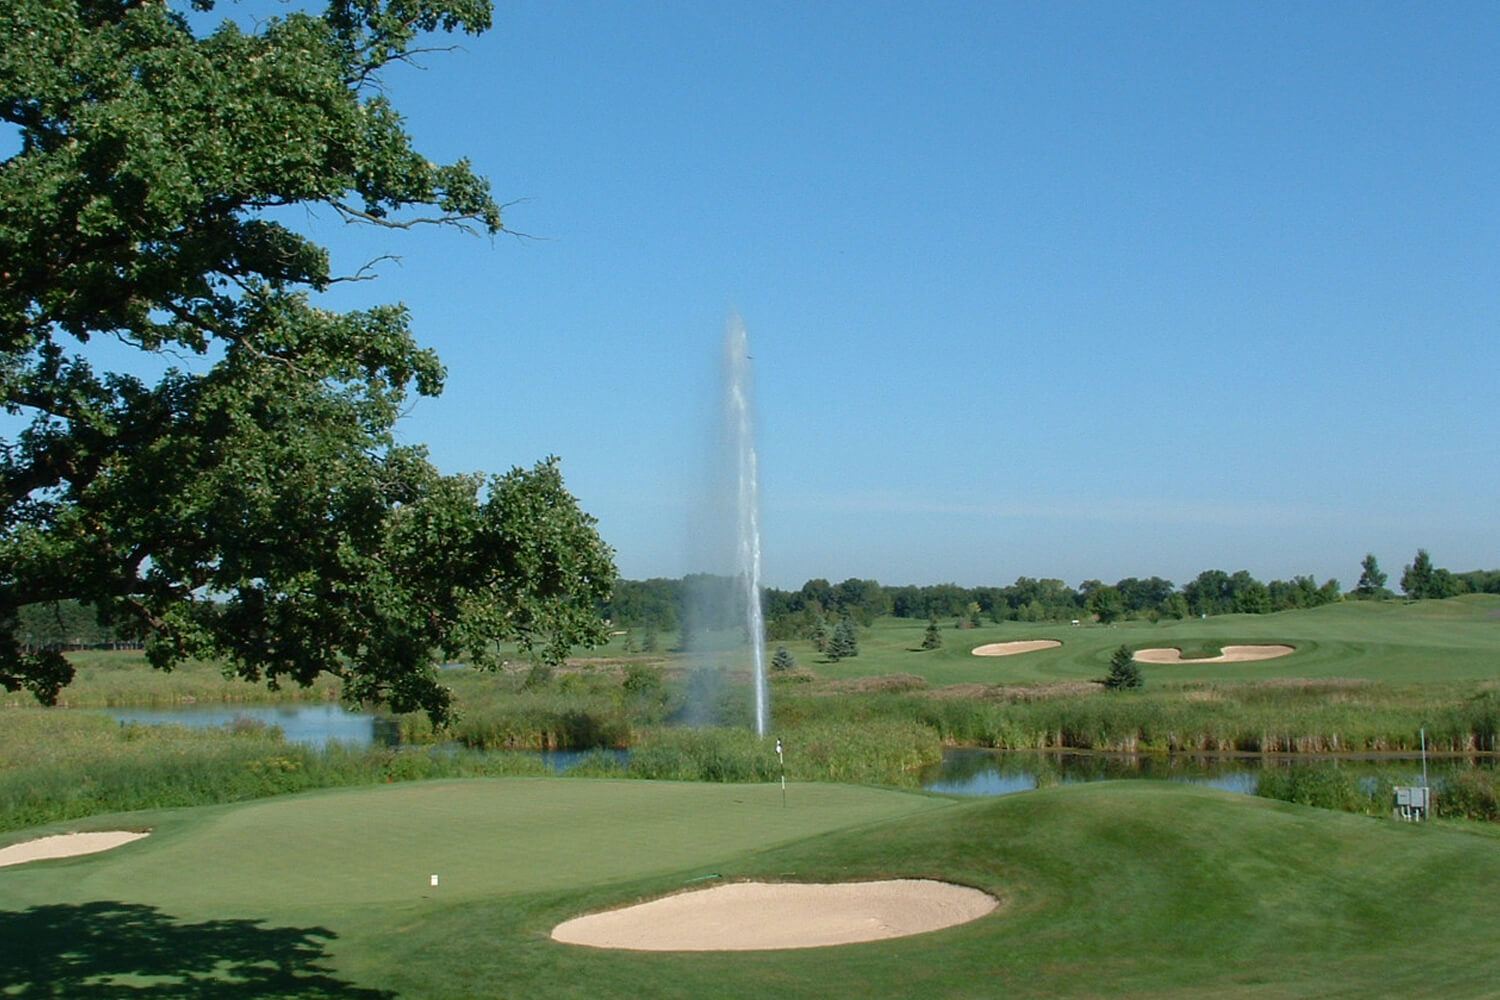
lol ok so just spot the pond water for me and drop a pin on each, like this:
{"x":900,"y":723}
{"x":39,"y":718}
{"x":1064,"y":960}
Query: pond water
{"x":1003,"y":772}
{"x":310,"y":725}
{"x":961,"y":772}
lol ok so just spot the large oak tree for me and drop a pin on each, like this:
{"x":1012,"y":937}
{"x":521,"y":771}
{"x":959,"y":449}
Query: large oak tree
{"x":249,"y":504}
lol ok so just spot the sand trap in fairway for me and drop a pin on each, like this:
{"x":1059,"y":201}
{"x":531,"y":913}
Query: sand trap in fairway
{"x":1230,"y":654}
{"x":65,"y":845}
{"x":759,"y":916}
{"x":1012,"y":648}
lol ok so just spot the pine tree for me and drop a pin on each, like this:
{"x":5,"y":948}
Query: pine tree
{"x":1416,"y":579}
{"x":1371,"y":579}
{"x":933,"y":638}
{"x":843,"y":643}
{"x":1124,"y":672}
{"x":783,"y":660}
{"x":819,"y":634}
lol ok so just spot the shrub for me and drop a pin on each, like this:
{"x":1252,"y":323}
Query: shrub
{"x":1324,"y":787}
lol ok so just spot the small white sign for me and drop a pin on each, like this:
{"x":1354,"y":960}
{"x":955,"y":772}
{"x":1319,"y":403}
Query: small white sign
{"x":434,"y":880}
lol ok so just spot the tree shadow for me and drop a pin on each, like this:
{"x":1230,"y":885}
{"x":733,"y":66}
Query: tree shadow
{"x":109,"y":950}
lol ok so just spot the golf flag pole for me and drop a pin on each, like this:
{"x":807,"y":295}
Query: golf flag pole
{"x":781,"y":756}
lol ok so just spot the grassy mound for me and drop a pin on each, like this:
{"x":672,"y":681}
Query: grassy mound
{"x":1119,"y":889}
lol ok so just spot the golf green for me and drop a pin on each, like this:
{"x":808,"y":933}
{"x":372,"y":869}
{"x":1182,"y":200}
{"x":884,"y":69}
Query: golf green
{"x":1121,"y":889}
{"x":482,"y":838}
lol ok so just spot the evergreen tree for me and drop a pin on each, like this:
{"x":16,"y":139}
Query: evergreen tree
{"x":1416,"y":579}
{"x":932,"y":638}
{"x":819,"y":634}
{"x":1124,"y":672}
{"x":783,"y":660}
{"x":1371,"y":579}
{"x":843,"y":644}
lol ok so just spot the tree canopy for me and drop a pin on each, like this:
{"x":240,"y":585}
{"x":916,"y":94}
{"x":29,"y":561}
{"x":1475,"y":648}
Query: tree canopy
{"x":240,"y":495}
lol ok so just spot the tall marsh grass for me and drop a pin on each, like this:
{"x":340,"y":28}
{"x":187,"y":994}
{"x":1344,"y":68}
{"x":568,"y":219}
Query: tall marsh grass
{"x":1310,"y":717}
{"x":59,"y":765}
{"x":887,"y":753}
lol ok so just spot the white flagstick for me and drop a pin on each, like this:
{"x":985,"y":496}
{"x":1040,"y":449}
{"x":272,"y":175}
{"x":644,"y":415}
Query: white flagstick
{"x":781,"y":756}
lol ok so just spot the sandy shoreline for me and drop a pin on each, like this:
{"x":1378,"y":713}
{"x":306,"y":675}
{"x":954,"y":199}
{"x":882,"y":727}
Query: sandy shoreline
{"x":65,"y":845}
{"x":1230,"y":654}
{"x":759,"y":916}
{"x":1012,"y":648}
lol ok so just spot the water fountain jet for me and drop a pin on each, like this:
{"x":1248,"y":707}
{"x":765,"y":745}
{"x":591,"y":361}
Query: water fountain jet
{"x":740,"y":424}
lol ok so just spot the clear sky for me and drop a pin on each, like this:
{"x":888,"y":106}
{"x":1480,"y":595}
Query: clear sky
{"x":1080,"y":290}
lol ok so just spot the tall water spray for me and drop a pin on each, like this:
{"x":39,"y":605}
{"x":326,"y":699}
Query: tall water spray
{"x":741,"y":425}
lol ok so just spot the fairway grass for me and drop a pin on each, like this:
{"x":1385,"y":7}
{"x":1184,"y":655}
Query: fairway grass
{"x":1389,"y":641}
{"x":1117,"y":889}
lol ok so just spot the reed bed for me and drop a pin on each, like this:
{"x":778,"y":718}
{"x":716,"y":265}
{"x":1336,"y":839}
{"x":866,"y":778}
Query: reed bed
{"x":887,"y":753}
{"x":1327,"y":717}
{"x":60,"y":765}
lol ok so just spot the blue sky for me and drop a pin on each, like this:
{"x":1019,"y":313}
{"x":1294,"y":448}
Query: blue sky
{"x":1082,"y":290}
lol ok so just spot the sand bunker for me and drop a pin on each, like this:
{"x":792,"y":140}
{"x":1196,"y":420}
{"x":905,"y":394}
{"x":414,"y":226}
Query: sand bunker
{"x":1012,"y":648}
{"x":65,"y":845}
{"x":1230,"y":654}
{"x":758,"y":916}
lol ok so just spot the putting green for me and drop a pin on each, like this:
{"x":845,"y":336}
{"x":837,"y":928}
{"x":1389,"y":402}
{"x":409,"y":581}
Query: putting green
{"x":483,"y":838}
{"x":1130,"y":890}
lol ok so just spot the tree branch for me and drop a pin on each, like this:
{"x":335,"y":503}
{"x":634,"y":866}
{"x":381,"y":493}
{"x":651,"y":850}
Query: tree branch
{"x":351,"y":214}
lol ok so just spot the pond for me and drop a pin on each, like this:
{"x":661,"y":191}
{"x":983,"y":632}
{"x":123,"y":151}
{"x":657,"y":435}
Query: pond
{"x":961,"y":772}
{"x":309,"y":725}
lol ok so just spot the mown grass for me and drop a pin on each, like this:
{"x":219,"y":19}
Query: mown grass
{"x":1387,"y":641}
{"x":1120,"y":889}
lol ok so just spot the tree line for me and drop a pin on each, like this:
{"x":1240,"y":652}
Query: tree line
{"x":711,"y":602}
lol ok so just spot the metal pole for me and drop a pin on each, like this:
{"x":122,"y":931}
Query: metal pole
{"x":1424,"y":756}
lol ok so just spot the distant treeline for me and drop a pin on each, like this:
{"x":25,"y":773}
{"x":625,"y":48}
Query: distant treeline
{"x":65,"y":625}
{"x":711,"y":602}
{"x":704,"y":601}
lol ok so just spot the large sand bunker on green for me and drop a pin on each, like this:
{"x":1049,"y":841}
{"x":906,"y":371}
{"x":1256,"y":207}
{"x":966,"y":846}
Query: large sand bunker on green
{"x":1013,"y":648}
{"x":1229,"y":654}
{"x":761,"y":916}
{"x":65,"y":845}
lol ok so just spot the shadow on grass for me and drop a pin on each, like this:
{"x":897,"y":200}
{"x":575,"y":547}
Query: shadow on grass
{"x":105,"y":950}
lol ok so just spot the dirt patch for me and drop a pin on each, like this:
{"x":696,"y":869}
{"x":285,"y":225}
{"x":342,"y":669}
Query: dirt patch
{"x":1013,"y":648}
{"x":1230,"y":654}
{"x":65,"y":845}
{"x":761,"y":916}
